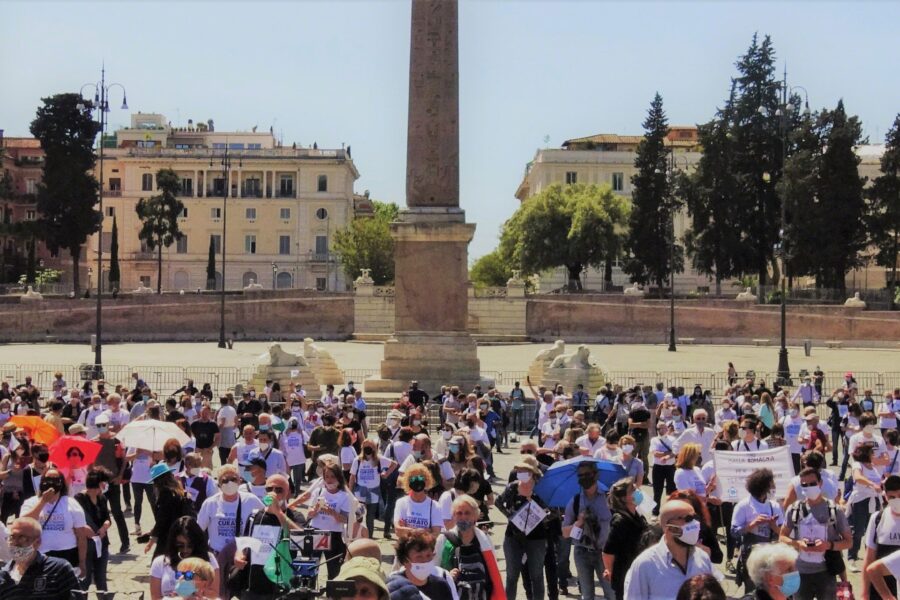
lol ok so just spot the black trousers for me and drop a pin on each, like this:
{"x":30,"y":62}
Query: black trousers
{"x":663,"y":475}
{"x":113,"y":496}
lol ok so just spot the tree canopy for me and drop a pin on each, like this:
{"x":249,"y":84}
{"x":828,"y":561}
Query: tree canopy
{"x":366,"y":243}
{"x":159,"y":217}
{"x":491,"y":270}
{"x":564,"y":225}
{"x":884,"y":196}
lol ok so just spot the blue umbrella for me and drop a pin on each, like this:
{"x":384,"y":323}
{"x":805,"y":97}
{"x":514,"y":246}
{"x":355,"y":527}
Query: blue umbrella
{"x":560,"y":483}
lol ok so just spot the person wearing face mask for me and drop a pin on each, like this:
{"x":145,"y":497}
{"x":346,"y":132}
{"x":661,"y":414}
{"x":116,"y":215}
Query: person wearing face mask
{"x":88,"y":418}
{"x":31,"y":574}
{"x":698,"y":433}
{"x":112,"y":458}
{"x":725,"y":413}
{"x":831,"y":489}
{"x":422,"y":451}
{"x":206,"y":433}
{"x":792,"y":423}
{"x":196,"y":481}
{"x":865,"y":498}
{"x":62,"y":520}
{"x":418,"y":575}
{"x":748,"y":441}
{"x":880,"y":573}
{"x":329,"y":510}
{"x":12,"y":474}
{"x":224,"y":516}
{"x":586,"y":523}
{"x":634,"y":466}
{"x":270,"y":526}
{"x":625,"y":531}
{"x":663,"y":470}
{"x":96,"y":512}
{"x":659,"y":571}
{"x":293,"y":447}
{"x":416,"y":510}
{"x":266,"y":450}
{"x":773,"y":571}
{"x":816,"y":529}
{"x":187,"y":540}
{"x":869,"y":436}
{"x":195,"y":580}
{"x":367,"y":472}
{"x":757,"y":519}
{"x":467,"y":553}
{"x":519,"y":546}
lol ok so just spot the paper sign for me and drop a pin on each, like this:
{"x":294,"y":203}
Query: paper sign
{"x":528,"y":517}
{"x":732,"y":469}
{"x":244,"y":542}
{"x":295,"y":372}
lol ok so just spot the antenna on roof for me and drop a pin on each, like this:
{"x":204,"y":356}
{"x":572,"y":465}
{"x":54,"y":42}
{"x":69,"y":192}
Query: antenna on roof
{"x":547,"y":139}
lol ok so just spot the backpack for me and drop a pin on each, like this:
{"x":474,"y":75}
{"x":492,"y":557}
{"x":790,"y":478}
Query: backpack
{"x":834,"y":560}
{"x":472,"y":576}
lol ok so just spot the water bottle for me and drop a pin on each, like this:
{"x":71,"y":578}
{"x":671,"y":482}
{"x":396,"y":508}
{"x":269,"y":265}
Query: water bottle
{"x":267,"y":500}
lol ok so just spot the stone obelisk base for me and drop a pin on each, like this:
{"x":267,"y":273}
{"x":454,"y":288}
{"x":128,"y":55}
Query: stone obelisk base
{"x":431,"y":343}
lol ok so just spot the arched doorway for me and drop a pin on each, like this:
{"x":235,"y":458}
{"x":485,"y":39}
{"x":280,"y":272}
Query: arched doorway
{"x":248,"y":278}
{"x":284,"y":281}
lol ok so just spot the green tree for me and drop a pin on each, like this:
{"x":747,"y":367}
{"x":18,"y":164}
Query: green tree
{"x":159,"y":217}
{"x":841,"y":203}
{"x":653,"y":204}
{"x":884,"y":196}
{"x":366,"y":243}
{"x":211,"y":266}
{"x":115,"y":275}
{"x":564,"y":226}
{"x":68,"y":191}
{"x":490,"y":270}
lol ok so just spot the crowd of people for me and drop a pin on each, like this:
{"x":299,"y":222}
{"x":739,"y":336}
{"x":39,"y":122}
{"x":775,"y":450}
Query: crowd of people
{"x":273,"y":492}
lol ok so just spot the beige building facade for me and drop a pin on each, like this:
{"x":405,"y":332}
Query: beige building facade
{"x":284,"y":205}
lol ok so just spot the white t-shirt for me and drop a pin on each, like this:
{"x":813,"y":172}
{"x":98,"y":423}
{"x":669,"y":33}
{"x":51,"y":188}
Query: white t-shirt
{"x":863,"y":492}
{"x":227,"y":416}
{"x":162,"y":570}
{"x":367,"y":474}
{"x":399,"y":451}
{"x":59,"y":523}
{"x":892,"y":406}
{"x":691,"y":479}
{"x":339,"y":501}
{"x":792,"y":427}
{"x":662,"y":444}
{"x":584,"y":442}
{"x":140,"y":467}
{"x":76,"y":479}
{"x":292,"y":447}
{"x":892,"y":564}
{"x":244,"y":450}
{"x":348,"y":453}
{"x":445,"y":503}
{"x":118,"y":418}
{"x":219,"y":518}
{"x":418,"y":515}
{"x":742,"y":446}
{"x":88,"y":418}
{"x":876,"y":441}
{"x":478,"y":434}
{"x":888,"y":530}
{"x":445,"y":467}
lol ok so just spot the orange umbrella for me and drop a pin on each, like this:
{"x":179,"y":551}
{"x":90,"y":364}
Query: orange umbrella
{"x":38,"y":429}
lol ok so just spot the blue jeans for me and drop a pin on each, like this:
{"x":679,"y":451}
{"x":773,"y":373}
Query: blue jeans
{"x":514,"y":552}
{"x":589,"y":567}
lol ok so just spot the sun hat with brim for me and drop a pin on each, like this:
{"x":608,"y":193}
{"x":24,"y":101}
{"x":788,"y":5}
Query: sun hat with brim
{"x":367,"y":568}
{"x":160,"y":469}
{"x":101,"y":420}
{"x":76,"y":428}
{"x":524,"y":466}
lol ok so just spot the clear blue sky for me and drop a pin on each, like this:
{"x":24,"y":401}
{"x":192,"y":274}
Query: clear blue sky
{"x":336,"y":72}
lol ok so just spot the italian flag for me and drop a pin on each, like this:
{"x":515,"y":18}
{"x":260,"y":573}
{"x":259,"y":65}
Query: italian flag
{"x":487,"y":552}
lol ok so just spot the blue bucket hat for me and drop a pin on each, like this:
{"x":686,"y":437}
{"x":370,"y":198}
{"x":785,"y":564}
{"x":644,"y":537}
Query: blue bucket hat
{"x":159,"y":469}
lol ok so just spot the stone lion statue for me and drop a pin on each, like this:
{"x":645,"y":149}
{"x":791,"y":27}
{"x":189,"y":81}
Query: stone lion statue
{"x":634,"y":290}
{"x":746,"y":296}
{"x":276,"y":357}
{"x":855,"y":301}
{"x":310,"y":350}
{"x":580,"y":359}
{"x":559,"y":346}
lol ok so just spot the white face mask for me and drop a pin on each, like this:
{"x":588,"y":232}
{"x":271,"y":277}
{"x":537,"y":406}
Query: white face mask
{"x":794,"y":413}
{"x":869,"y":429}
{"x":446,"y":434}
{"x":421,"y":570}
{"x":263,"y":447}
{"x":417,"y":423}
{"x":894,"y":503}
{"x":523,"y":477}
{"x":690,"y":532}
{"x":628,"y":448}
{"x":813,"y":493}
{"x":230,"y":488}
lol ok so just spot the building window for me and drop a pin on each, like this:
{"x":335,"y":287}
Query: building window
{"x":181,"y":245}
{"x":218,"y":186}
{"x":187,"y":187}
{"x":249,"y":244}
{"x":110,"y":211}
{"x":31,"y":186}
{"x":251,"y":214}
{"x":184,"y":213}
{"x":284,"y":244}
{"x":321,"y":246}
{"x":320,"y":284}
{"x":215,"y":213}
{"x":30,"y":215}
{"x":249,"y":277}
{"x":145,"y":281}
{"x":284,"y":281}
{"x":571,"y":177}
{"x":323,"y":183}
{"x":218,"y":146}
{"x":235,"y":146}
{"x":285,"y":214}
{"x":115,"y":183}
{"x":217,"y":243}
{"x":254,"y":146}
{"x":618,"y":182}
{"x":287,"y":185}
{"x":147,"y":182}
{"x":321,"y":214}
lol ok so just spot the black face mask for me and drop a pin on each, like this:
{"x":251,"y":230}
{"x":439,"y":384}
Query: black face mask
{"x":367,"y":451}
{"x":586,"y":481}
{"x":417,"y":485}
{"x":51,"y":484}
{"x":43,"y":457}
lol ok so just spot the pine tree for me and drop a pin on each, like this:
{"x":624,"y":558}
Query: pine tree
{"x":653,"y":203}
{"x":211,"y":266}
{"x":159,"y":216}
{"x":884,"y":195}
{"x":114,"y":273}
{"x":841,"y":204}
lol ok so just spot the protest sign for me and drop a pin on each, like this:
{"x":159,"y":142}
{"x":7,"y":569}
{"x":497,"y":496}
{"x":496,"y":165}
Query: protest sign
{"x":732,"y":469}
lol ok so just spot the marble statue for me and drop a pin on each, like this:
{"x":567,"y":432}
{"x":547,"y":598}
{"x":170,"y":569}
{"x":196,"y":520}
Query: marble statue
{"x":253,"y":286}
{"x":276,"y":357}
{"x":31,"y":296}
{"x":855,"y":301}
{"x":580,"y":359}
{"x":547,"y":355}
{"x":310,"y":350}
{"x":747,"y":296}
{"x":365,"y":278}
{"x":634,"y":290}
{"x":142,"y":290}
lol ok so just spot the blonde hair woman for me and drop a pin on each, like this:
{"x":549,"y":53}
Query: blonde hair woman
{"x":416,"y":510}
{"x":687,"y":474}
{"x":195,"y":579}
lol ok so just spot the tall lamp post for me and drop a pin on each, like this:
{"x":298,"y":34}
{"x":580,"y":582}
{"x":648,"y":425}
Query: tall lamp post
{"x":101,"y":105}
{"x":274,"y":274}
{"x":783,"y":113}
{"x":226,"y":168}
{"x":671,"y":174}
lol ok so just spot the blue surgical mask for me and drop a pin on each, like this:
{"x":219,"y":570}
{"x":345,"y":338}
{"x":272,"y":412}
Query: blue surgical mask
{"x":264,"y":427}
{"x":790,"y":583}
{"x":185,"y":588}
{"x":638,"y":497}
{"x":454,"y":448}
{"x":246,"y":476}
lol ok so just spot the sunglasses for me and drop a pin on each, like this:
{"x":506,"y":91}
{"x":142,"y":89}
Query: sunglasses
{"x":688,"y":518}
{"x":526,"y":452}
{"x":229,"y":480}
{"x":809,"y":484}
{"x":417,"y":478}
{"x":188,"y":575}
{"x":276,"y":489}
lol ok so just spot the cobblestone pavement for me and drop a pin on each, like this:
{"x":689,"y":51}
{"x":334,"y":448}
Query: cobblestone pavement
{"x":131,"y":572}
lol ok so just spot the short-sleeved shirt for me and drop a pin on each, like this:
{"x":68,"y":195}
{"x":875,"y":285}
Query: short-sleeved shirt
{"x":892,"y":564}
{"x":418,"y":515}
{"x":691,"y":479}
{"x":367,"y":474}
{"x":585,"y":443}
{"x":888,"y":533}
{"x":813,"y":523}
{"x":338,"y":501}
{"x":59,"y":522}
{"x":598,"y":506}
{"x":163,"y":570}
{"x":205,"y":432}
{"x":654,"y":574}
{"x":662,"y":444}
{"x":219,"y":518}
{"x":46,"y":578}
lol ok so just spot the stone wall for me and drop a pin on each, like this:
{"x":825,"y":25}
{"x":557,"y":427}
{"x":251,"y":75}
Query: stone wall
{"x":618,"y":319}
{"x":261,"y":315}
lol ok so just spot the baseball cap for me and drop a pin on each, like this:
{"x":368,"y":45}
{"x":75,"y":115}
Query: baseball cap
{"x":257,"y":461}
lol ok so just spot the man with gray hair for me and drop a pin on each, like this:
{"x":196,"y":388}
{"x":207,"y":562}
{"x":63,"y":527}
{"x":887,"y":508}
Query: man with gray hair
{"x":698,"y":433}
{"x":31,"y":574}
{"x":772,"y":568}
{"x":658,"y":572}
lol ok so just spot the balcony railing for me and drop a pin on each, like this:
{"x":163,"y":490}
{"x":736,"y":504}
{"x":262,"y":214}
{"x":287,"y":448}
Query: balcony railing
{"x":285,"y":194}
{"x":207,"y":153}
{"x":112,"y":193}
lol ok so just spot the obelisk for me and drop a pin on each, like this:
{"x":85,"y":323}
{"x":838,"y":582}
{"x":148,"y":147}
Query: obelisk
{"x":431,"y":342}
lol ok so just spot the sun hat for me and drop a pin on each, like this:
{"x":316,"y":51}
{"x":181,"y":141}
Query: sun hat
{"x":367,"y":568}
{"x":160,"y":469}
